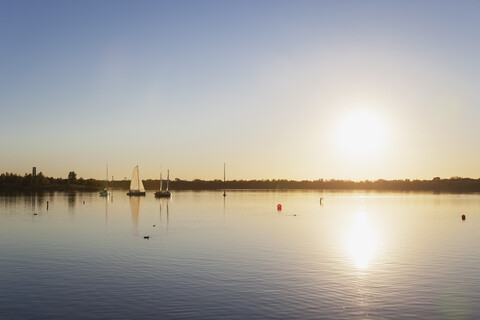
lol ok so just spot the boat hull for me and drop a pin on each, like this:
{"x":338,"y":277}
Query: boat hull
{"x":162,"y":194}
{"x":136,"y":193}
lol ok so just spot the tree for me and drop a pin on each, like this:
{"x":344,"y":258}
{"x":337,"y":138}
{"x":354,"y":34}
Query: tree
{"x":72,"y":177}
{"x":41,"y":180}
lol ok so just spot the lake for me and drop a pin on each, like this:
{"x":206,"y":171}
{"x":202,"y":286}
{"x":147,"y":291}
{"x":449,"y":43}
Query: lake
{"x":355,"y":255}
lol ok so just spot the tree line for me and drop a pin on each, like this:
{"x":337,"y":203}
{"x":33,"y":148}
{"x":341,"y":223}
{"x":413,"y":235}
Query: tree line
{"x":454,"y":184}
{"x":40,"y":181}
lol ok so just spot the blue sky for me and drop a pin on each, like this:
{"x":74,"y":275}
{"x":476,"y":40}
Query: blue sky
{"x":261,"y":85}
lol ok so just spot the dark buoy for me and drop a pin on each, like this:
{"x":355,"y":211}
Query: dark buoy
{"x":83,"y":202}
{"x":35,"y":214}
{"x":463,"y":217}
{"x":279,"y":207}
{"x":294,"y":215}
{"x":154,"y":225}
{"x":146,"y":237}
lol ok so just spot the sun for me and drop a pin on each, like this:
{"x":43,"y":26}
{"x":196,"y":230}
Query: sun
{"x":361,"y":134}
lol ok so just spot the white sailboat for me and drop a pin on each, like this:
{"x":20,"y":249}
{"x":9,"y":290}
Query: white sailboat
{"x":163,"y":193}
{"x":136,"y":184}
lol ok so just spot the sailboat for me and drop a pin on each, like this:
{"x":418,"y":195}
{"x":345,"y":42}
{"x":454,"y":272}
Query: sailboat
{"x":104,"y":192}
{"x":163,"y":193}
{"x":136,"y":185}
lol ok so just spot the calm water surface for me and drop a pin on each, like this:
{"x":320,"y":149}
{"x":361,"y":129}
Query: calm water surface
{"x":359,"y":255}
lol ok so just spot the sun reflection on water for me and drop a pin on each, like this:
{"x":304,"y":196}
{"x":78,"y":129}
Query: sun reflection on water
{"x":361,"y":240}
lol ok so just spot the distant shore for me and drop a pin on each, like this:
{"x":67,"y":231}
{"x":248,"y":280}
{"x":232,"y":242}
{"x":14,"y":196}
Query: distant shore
{"x":13,"y":182}
{"x":49,"y":188}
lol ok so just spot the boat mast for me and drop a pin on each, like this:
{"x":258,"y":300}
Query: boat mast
{"x":168,"y":178}
{"x":161,"y":181}
{"x":224,"y":193}
{"x":106,"y":180}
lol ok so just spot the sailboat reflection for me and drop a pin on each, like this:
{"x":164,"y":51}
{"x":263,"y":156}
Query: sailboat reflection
{"x":362,"y":240}
{"x":224,"y":210}
{"x":135,"y":206}
{"x":165,"y":204}
{"x":105,"y":202}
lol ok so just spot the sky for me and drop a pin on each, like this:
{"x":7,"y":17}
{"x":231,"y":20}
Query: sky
{"x":275,"y":89}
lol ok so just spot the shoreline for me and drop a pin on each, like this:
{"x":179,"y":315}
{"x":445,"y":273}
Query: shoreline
{"x":346,"y":190}
{"x":13,"y":182}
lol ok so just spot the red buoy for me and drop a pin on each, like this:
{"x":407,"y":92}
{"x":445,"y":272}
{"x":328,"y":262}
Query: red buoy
{"x":279,"y":207}
{"x":463,"y":217}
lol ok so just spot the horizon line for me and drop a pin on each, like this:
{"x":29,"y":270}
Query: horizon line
{"x":265,"y":179}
